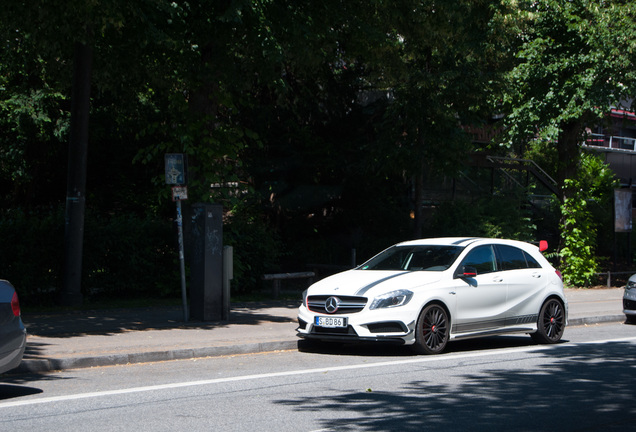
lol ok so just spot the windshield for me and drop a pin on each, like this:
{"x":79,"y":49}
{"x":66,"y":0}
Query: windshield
{"x":414,"y":258}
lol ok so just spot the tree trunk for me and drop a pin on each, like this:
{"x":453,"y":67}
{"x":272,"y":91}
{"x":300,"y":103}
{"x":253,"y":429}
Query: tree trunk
{"x":76,"y":184}
{"x":419,"y":192}
{"x":569,"y":155}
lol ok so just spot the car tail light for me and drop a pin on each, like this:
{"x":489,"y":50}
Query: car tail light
{"x":559,"y":274}
{"x":15,"y":304}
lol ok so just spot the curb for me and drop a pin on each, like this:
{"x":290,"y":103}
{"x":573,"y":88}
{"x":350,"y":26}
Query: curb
{"x":60,"y":364}
{"x":596,"y":320}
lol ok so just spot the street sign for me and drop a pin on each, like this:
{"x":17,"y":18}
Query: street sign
{"x":179,"y":193}
{"x":175,"y":168}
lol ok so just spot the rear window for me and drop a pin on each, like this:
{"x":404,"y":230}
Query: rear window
{"x":512,"y":258}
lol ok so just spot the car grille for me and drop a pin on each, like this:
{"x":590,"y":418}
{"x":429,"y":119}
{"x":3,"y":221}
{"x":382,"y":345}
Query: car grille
{"x":346,"y":304}
{"x":348,"y":331}
{"x":629,"y":304}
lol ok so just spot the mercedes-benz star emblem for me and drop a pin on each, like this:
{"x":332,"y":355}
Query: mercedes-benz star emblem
{"x":331,"y":305}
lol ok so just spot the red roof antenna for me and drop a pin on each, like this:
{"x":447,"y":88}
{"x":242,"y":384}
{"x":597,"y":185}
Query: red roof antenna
{"x":543,"y":245}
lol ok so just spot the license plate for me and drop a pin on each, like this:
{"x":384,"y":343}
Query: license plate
{"x":331,"y":322}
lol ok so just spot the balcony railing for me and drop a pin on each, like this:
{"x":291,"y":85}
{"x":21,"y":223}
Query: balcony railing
{"x":611,"y":142}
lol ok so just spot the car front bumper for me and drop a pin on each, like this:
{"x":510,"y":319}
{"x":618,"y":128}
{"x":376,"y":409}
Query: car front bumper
{"x":629,"y":301}
{"x":368,"y":326}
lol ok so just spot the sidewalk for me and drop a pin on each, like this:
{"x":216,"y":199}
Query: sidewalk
{"x":115,"y":337}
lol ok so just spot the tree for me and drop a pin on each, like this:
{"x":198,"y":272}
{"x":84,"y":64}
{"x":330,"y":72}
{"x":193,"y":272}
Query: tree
{"x":48,"y":35}
{"x":445,"y":65}
{"x":574,"y":62}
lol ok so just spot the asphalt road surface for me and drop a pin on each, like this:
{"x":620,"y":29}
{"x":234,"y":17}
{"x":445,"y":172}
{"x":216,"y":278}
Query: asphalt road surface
{"x":587,"y":383}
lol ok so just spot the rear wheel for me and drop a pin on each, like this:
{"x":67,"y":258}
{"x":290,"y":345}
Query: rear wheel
{"x":431,"y":334}
{"x":551,"y":322}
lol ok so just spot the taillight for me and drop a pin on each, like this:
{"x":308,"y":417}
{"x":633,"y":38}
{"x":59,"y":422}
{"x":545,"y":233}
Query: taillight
{"x":559,"y":275}
{"x":15,"y":304}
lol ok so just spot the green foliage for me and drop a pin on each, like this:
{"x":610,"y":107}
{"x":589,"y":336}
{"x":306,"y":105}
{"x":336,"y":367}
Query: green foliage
{"x":125,"y":256}
{"x":31,"y":254}
{"x":579,"y":228}
{"x":494,"y":216}
{"x":329,"y":110}
{"x":573,"y":63}
{"x":257,"y":248}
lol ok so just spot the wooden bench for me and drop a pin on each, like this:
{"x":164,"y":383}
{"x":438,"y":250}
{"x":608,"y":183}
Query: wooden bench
{"x":277,"y":277}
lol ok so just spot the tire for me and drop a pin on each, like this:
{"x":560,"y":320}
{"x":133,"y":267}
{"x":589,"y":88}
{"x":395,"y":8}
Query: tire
{"x":551,"y":322}
{"x":431,"y":334}
{"x":630,"y":319}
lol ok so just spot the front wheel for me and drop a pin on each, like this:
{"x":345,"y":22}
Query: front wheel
{"x":551,"y":322}
{"x":431,"y":334}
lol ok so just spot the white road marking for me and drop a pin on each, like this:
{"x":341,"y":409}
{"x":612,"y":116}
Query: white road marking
{"x":425,"y":359}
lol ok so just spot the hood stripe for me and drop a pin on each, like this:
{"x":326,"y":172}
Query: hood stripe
{"x":364,"y":289}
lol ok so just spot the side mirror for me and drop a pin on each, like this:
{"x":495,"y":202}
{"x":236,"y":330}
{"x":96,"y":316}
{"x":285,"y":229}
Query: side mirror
{"x":466,"y":272}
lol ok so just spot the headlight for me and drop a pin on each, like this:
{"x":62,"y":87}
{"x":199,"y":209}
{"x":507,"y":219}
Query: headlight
{"x":631,"y":284}
{"x":392,"y":299}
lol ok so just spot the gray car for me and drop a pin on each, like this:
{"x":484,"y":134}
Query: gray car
{"x":12,"y":331}
{"x":629,"y":300}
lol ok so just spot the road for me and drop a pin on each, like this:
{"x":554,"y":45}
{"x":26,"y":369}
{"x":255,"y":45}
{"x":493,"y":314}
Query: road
{"x":587,"y":383}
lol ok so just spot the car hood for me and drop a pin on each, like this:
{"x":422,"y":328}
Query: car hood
{"x":372,"y":282}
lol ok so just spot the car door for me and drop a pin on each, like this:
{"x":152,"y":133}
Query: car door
{"x":525,"y":280}
{"x":481,"y":300}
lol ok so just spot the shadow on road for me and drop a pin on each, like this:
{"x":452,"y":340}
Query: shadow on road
{"x":8,"y":391}
{"x":586,"y":387}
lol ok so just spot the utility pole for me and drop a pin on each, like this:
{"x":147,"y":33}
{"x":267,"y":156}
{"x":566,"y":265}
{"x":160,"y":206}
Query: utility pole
{"x":76,"y":181}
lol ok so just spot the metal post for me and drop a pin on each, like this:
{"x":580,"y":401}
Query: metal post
{"x":184,"y":297}
{"x":228,"y":275}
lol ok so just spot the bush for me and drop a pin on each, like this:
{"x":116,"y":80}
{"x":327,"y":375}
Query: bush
{"x":31,"y":253}
{"x":579,"y":225}
{"x":124,"y":255}
{"x":128,"y":256}
{"x":256,"y":247}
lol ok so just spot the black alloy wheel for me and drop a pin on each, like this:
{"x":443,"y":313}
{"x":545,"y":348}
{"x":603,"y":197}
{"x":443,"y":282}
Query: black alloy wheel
{"x":551,"y":322}
{"x":432,"y":330}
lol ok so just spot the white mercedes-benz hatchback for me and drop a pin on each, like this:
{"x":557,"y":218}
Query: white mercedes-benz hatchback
{"x":427,"y":292}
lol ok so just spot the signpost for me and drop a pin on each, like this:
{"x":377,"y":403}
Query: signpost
{"x":175,"y":170}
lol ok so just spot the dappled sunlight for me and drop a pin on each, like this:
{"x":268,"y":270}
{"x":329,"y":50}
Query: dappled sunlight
{"x":576,"y":387}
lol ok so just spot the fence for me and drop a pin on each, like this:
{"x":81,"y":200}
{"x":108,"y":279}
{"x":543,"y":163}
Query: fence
{"x":616,"y":275}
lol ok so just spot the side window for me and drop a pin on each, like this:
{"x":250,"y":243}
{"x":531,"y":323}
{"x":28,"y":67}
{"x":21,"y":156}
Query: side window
{"x":482,"y":258}
{"x":532,"y":263}
{"x":511,"y":258}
